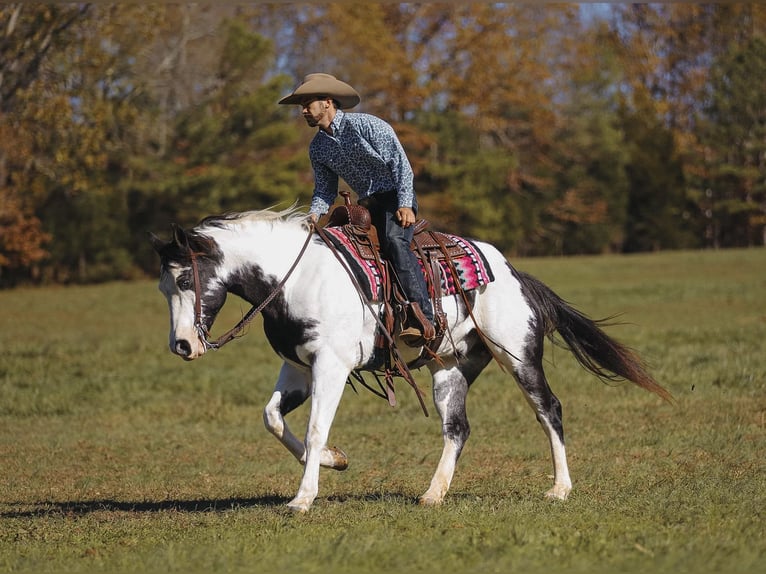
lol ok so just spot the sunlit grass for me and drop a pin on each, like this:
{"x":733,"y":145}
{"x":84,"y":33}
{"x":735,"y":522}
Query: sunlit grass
{"x":117,"y":456}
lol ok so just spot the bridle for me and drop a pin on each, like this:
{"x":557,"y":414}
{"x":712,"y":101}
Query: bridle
{"x":199,"y":325}
{"x":204,"y":335}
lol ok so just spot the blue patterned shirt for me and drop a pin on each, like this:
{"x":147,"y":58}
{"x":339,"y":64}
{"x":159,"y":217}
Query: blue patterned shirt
{"x":366,"y":153}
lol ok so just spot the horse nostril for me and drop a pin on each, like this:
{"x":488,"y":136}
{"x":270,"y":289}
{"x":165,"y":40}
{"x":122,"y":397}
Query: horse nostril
{"x":183,"y":348}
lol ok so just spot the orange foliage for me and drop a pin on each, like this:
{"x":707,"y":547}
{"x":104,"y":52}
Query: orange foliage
{"x":21,"y":234}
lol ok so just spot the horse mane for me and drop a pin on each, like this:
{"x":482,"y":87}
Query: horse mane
{"x":289,"y":215}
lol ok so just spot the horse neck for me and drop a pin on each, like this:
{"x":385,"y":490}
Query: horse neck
{"x":272,"y":246}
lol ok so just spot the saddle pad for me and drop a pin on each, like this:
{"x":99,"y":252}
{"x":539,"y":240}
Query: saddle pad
{"x":472,"y":268}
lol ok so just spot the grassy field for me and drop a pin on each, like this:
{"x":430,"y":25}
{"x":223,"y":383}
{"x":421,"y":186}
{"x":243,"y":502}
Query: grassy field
{"x":117,"y":456}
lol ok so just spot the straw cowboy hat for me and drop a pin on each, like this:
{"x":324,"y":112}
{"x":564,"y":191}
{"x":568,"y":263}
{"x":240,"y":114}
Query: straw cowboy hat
{"x":324,"y":85}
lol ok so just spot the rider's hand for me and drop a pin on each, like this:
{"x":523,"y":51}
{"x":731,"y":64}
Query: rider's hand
{"x":405,"y":216}
{"x":313,"y":217}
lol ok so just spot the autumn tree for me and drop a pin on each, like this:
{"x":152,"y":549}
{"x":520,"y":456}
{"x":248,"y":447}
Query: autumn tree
{"x":236,"y":148}
{"x":588,"y":212}
{"x":526,"y":125}
{"x":669,"y":50}
{"x":28,"y":34}
{"x":734,"y":135}
{"x":85,"y":120}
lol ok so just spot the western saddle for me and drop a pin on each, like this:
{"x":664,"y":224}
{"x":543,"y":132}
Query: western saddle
{"x":432,"y":248}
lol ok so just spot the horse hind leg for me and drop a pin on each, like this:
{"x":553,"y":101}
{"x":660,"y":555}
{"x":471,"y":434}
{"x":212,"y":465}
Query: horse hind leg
{"x":531,"y":379}
{"x":291,"y":391}
{"x":450,"y":388}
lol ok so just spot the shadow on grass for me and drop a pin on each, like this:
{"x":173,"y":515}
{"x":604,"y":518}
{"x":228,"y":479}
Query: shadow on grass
{"x":82,"y":508}
{"x":85,"y":507}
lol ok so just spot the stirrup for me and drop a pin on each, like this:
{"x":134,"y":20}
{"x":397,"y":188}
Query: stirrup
{"x":419,"y":330}
{"x":412,"y":337}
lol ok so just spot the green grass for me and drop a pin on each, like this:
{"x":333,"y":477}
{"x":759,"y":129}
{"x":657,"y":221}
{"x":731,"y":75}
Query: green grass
{"x":117,"y":456}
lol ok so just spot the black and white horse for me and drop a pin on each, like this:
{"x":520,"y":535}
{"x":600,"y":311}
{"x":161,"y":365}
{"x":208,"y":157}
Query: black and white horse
{"x":314,"y":318}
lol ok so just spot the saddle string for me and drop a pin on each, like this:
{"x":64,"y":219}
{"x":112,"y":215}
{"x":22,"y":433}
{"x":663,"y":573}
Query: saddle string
{"x":482,"y":335}
{"x":357,"y":376}
{"x":250,"y":315}
{"x":433,"y":281}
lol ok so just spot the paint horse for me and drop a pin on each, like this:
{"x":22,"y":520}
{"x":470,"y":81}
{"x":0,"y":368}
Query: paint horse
{"x":315,"y":319}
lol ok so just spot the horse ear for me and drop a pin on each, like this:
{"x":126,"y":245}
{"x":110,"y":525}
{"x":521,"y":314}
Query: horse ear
{"x":179,"y":235}
{"x":156,"y":242}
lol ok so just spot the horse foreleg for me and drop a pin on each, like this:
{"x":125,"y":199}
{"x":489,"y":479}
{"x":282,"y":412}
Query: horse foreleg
{"x":327,"y":390}
{"x":291,"y":391}
{"x":450,"y":391}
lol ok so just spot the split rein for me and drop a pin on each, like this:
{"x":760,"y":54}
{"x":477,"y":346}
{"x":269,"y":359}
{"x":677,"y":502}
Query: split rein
{"x":199,"y":325}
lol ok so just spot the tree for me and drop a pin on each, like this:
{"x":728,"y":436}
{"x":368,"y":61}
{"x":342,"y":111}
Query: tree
{"x":466,"y":187}
{"x":27,"y":36}
{"x":656,"y":197}
{"x":21,"y":237}
{"x":587,"y":208}
{"x":524,"y":126}
{"x":81,"y":118}
{"x":240,"y":133}
{"x":734,"y":136}
{"x":29,"y":33}
{"x":669,"y":50}
{"x":235,"y":149}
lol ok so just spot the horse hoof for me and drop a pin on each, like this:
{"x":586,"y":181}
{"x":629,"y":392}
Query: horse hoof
{"x":334,"y":458}
{"x":558,"y":492}
{"x":299,"y":507}
{"x":429,"y":501}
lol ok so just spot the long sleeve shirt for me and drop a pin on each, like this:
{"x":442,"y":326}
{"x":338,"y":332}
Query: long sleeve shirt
{"x":366,"y":153}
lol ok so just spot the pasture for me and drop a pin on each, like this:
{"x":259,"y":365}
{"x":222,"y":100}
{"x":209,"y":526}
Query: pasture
{"x":117,"y":456}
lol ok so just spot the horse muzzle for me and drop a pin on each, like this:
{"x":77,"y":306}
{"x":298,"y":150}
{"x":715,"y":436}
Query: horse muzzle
{"x":187,"y":350}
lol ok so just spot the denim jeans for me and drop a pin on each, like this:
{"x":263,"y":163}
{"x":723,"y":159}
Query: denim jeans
{"x":395,"y":243}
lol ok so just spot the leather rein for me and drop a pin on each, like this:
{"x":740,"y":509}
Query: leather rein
{"x":203,"y":334}
{"x":202,"y":330}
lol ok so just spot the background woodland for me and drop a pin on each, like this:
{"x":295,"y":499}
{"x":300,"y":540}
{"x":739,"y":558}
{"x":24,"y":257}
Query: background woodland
{"x":548,"y":130}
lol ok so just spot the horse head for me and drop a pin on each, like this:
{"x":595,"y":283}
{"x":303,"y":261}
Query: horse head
{"x":189,"y":281}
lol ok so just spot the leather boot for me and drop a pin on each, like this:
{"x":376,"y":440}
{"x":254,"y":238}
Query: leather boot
{"x":419,"y":330}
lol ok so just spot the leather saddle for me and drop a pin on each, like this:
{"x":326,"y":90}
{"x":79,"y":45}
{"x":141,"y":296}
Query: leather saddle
{"x":442,"y":257}
{"x":430,"y":247}
{"x":356,"y":222}
{"x":436,"y":252}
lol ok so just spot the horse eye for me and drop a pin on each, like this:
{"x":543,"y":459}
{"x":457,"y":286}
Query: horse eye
{"x":184,"y":284}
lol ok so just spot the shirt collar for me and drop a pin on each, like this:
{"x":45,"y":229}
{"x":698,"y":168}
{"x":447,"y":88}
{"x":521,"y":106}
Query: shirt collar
{"x":337,"y":120}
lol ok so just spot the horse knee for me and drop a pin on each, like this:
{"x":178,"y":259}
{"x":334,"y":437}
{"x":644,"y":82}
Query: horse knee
{"x":279,"y":405}
{"x":451,"y":406}
{"x":272,"y":420}
{"x":457,"y":429}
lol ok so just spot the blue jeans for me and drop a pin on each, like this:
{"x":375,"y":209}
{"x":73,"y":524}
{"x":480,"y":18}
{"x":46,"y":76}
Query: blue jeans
{"x":395,"y":244}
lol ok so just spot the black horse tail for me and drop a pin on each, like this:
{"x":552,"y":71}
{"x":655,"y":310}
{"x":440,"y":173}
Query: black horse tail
{"x":594,"y":349}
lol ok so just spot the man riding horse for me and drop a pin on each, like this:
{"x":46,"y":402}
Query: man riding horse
{"x":365,"y":152}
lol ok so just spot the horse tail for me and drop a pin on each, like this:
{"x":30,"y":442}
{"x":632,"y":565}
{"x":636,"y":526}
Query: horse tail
{"x":596,"y":351}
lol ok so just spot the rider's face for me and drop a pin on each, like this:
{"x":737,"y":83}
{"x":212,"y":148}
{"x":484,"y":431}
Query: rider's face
{"x":317,"y":112}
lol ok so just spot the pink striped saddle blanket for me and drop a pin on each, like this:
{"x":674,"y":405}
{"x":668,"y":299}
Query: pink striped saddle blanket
{"x":471,"y":269}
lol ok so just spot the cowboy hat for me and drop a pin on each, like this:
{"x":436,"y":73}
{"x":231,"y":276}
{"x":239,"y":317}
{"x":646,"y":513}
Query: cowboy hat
{"x":323,"y":85}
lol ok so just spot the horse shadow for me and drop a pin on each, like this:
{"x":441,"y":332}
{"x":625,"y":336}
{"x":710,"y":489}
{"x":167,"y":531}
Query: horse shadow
{"x":85,"y":507}
{"x":79,"y":508}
